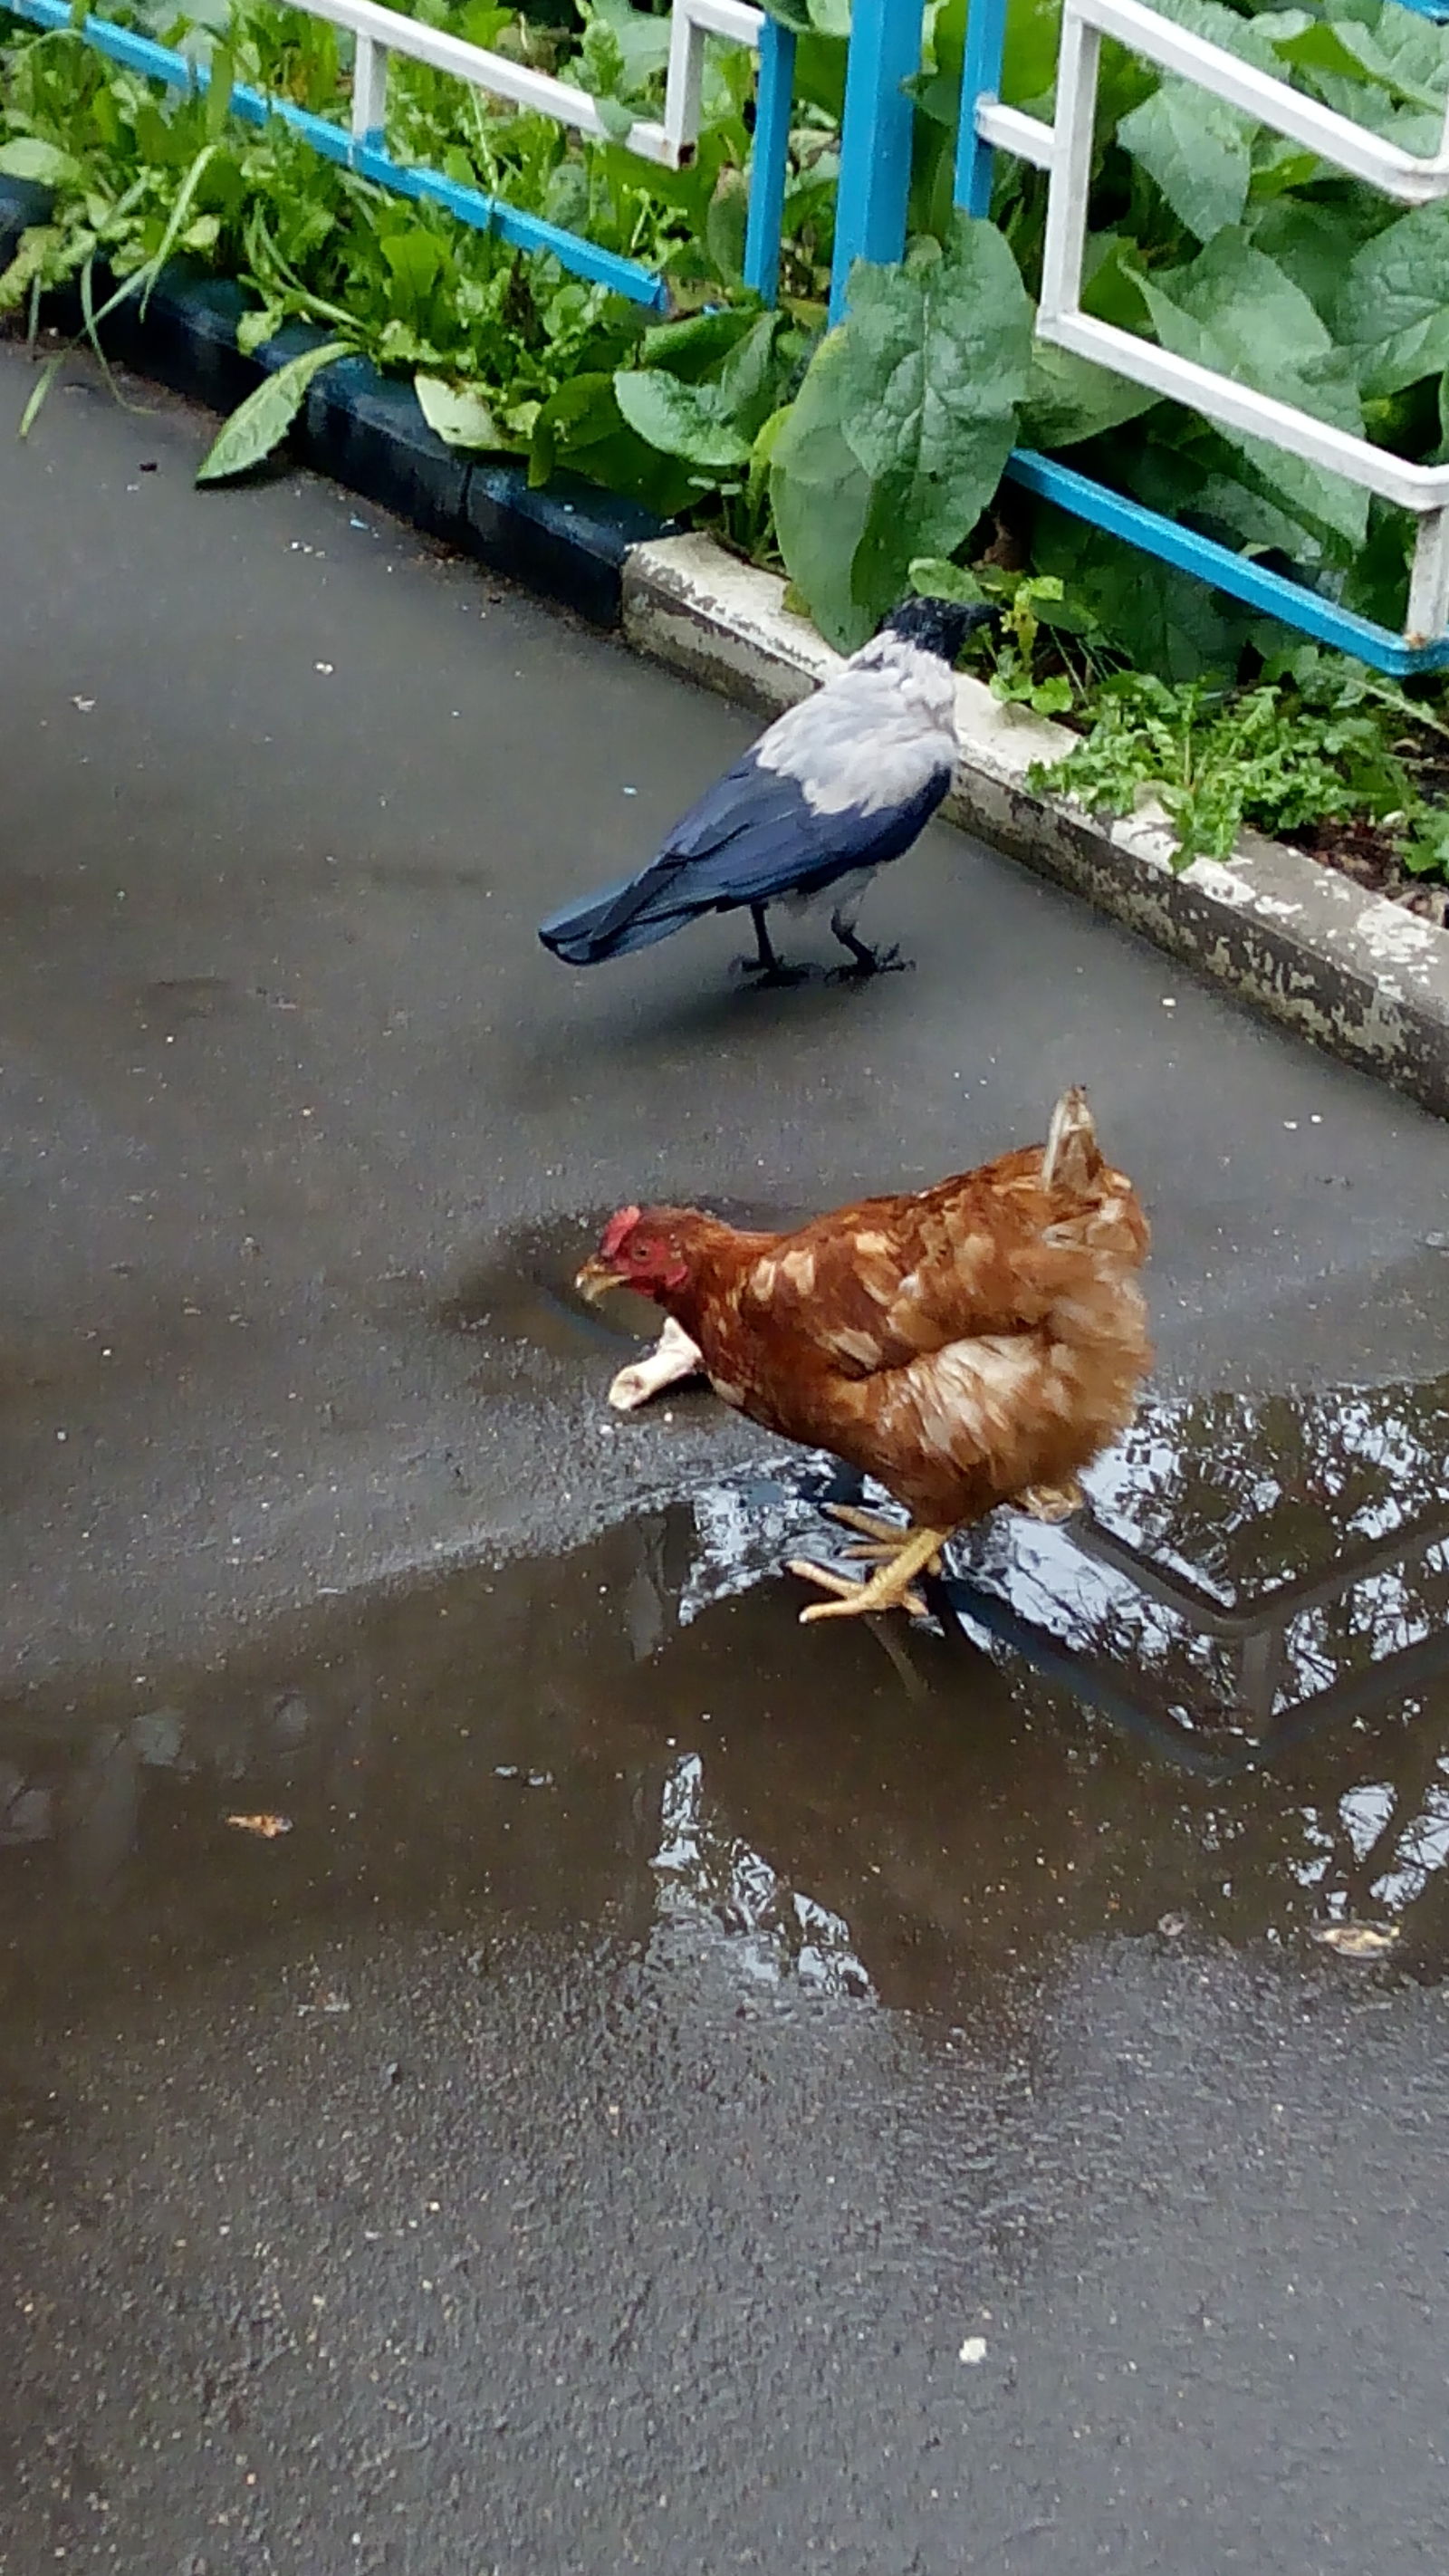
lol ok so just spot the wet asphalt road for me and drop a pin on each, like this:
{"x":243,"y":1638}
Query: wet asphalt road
{"x":664,"y":2041}
{"x":291,"y":1093}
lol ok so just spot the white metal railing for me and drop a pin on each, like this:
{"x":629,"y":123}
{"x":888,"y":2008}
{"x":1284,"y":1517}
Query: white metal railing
{"x":1064,"y":151}
{"x":380,"y":32}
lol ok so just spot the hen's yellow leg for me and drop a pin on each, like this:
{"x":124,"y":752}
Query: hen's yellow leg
{"x":879,"y":1540}
{"x":845,"y":1585}
{"x":869,"y":1524}
{"x":889,"y":1588}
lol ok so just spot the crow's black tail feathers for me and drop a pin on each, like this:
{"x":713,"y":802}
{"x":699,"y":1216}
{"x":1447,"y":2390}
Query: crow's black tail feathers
{"x":634,"y":915}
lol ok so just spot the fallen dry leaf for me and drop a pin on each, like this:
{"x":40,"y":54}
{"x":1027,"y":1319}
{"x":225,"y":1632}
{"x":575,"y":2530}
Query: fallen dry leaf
{"x":1356,"y":1940}
{"x":267,"y":1826}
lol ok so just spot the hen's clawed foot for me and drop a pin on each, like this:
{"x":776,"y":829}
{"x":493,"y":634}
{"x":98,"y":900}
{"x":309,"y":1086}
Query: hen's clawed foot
{"x":849,"y":1601}
{"x":891,"y":1587}
{"x":1051,"y":1502}
{"x":673,"y":1357}
{"x":879,"y":1540}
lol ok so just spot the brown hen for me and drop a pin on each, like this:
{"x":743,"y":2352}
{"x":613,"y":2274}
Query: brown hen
{"x":967,"y":1345}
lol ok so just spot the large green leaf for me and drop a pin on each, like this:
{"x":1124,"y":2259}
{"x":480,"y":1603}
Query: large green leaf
{"x":1339,"y":47}
{"x":916,"y":393}
{"x":688,"y":421}
{"x":28,"y":156}
{"x":725,"y":224}
{"x":821,"y":496}
{"x":1199,"y":151}
{"x":1029,"y":56}
{"x":462,"y":416}
{"x":1068,"y":399}
{"x":937,"y":355}
{"x":257,"y":425}
{"x":1312,"y":242}
{"x":415,"y":259}
{"x":1112,"y":281}
{"x":1230,"y":510}
{"x":693,"y":347}
{"x":1258,"y":39}
{"x":642,"y":40}
{"x":752,"y":379}
{"x":581,"y":426}
{"x":1406,"y":60}
{"x":1393,"y":311}
{"x":1234,"y":310}
{"x":580,"y":414}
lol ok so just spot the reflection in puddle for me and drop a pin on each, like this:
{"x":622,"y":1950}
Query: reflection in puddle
{"x":709,"y":1877}
{"x":1246,"y":1570}
{"x":642,"y":1740}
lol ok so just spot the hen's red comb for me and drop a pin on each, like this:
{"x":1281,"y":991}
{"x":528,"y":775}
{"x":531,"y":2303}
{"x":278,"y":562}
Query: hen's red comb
{"x":620,"y":1226}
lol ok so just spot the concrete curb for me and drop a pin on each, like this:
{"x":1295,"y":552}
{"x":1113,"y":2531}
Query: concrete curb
{"x":1353,"y":972}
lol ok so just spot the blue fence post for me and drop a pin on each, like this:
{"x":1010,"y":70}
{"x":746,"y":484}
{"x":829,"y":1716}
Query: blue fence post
{"x":774,"y":94}
{"x":980,"y":78}
{"x":875,"y":140}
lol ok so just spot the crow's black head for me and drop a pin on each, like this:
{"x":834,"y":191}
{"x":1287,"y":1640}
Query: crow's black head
{"x":938,"y":625}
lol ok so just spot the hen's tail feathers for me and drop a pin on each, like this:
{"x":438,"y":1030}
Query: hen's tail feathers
{"x":1072,"y":1158}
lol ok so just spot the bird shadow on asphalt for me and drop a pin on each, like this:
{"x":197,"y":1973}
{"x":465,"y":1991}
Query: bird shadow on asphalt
{"x":711,"y":1014}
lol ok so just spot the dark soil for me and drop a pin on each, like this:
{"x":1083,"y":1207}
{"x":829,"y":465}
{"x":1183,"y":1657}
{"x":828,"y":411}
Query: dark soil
{"x":1367,"y":852}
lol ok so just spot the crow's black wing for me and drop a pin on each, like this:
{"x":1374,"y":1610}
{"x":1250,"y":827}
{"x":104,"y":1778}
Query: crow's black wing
{"x":752,"y":837}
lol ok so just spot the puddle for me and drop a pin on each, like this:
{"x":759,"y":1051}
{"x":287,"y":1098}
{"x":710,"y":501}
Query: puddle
{"x":523,"y":1294}
{"x":1218,"y":1702}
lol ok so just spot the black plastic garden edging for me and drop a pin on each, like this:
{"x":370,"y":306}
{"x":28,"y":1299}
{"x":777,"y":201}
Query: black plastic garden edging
{"x":367,"y":432}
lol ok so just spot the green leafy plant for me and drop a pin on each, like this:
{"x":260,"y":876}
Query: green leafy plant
{"x":491,"y":336}
{"x":867,"y":456}
{"x":1281,"y":757}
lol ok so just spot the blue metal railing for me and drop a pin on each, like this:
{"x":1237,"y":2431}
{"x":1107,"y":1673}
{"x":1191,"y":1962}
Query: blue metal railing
{"x":369,"y":158}
{"x":871,"y":214}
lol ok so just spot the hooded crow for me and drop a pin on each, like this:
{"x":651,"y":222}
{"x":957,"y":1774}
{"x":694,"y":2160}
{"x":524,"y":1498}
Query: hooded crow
{"x":833,"y":788}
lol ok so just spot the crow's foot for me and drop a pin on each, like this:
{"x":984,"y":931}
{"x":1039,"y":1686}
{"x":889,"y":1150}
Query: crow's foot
{"x":769,"y":968}
{"x":765,"y":972}
{"x":865,"y":962}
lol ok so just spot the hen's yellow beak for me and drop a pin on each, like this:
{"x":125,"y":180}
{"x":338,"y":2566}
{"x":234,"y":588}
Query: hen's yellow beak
{"x":595,"y":1279}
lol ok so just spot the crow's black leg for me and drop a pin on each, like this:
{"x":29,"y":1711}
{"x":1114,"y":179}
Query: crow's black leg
{"x":868,"y":961}
{"x":765,"y":963}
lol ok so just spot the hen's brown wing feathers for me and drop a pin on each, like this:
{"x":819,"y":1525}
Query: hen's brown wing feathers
{"x":960,"y":1343}
{"x":880,"y":1284}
